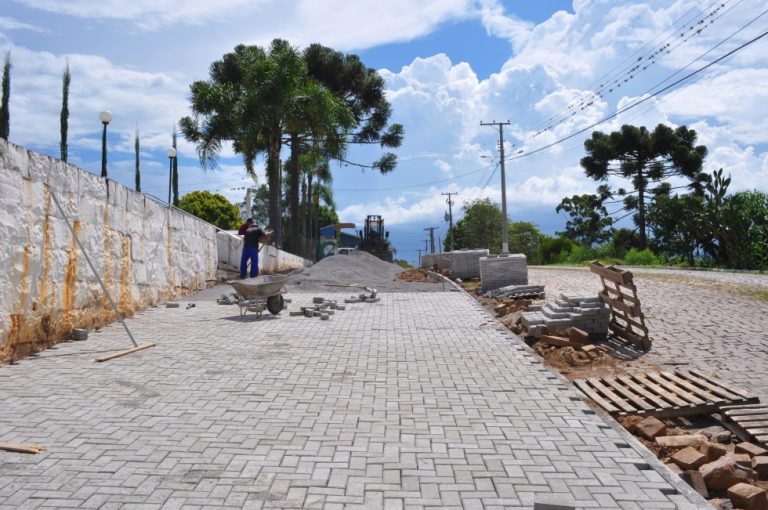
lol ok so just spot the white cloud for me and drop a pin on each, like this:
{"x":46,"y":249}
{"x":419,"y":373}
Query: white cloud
{"x":7,"y":23}
{"x":149,"y":14}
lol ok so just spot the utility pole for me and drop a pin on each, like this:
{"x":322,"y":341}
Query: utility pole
{"x":418,"y":264}
{"x":504,"y":228}
{"x":431,"y":238}
{"x":450,"y":215}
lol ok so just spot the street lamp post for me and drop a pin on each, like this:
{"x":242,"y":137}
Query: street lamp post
{"x":171,"y":153}
{"x":106,"y":118}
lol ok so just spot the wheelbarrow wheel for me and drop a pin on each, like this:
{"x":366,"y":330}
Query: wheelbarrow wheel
{"x":275,"y":304}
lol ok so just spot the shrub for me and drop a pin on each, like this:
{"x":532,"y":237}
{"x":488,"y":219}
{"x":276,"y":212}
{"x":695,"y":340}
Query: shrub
{"x":646,"y":257}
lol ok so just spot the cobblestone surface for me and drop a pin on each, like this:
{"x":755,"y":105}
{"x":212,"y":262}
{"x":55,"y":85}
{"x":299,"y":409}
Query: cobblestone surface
{"x":695,"y":319}
{"x":419,"y":401}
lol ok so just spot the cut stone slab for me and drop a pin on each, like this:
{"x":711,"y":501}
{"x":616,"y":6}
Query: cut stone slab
{"x":742,"y":459}
{"x":578,"y":336}
{"x":695,"y":480}
{"x":752,"y":449}
{"x":724,"y":473}
{"x":760,"y":465}
{"x":748,"y":497}
{"x":590,"y":349}
{"x":557,"y":341}
{"x":682,"y":441}
{"x":651,"y":427}
{"x":713,"y":451}
{"x":689,"y":458}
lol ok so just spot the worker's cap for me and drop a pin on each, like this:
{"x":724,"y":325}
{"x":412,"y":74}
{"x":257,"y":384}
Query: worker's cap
{"x":249,"y":220}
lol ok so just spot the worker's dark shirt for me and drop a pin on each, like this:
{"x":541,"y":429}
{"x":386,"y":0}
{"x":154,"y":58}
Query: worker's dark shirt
{"x":252,"y":237}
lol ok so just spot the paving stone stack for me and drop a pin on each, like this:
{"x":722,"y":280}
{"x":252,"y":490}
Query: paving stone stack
{"x":466,"y":263}
{"x":430,"y":260}
{"x":587,"y":313}
{"x":462,"y":263}
{"x":502,"y":270}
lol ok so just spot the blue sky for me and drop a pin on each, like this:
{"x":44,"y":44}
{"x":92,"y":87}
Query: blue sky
{"x":448,"y":64}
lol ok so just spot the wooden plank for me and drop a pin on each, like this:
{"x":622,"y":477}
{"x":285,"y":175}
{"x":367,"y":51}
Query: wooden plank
{"x":625,"y":390}
{"x":633,"y":310}
{"x":620,"y":402}
{"x":629,"y":335}
{"x":753,"y":423}
{"x":632,"y":322}
{"x":663,"y":393}
{"x":744,"y":406}
{"x":615,"y":276}
{"x":649,"y":395}
{"x":21,"y":448}
{"x":623,"y":295}
{"x":746,"y":412}
{"x":585,"y":388}
{"x":684,"y":395}
{"x":703,"y":394}
{"x":711,"y":388}
{"x":738,"y":391}
{"x":123,"y":353}
{"x":674,"y":412}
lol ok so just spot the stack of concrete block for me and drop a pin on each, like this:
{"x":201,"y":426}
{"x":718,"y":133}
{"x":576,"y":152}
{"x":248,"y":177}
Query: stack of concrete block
{"x":439,"y":260}
{"x":466,"y":263}
{"x":517,"y":291}
{"x":587,"y":313}
{"x":462,"y":263}
{"x":502,"y":270}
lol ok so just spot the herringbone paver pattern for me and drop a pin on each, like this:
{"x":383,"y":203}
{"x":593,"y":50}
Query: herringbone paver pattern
{"x":421,"y":400}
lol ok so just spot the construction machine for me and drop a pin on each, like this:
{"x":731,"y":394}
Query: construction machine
{"x":375,"y":240}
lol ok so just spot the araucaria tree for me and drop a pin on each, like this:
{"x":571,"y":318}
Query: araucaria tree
{"x":317,"y":102}
{"x":5,"y":114}
{"x":64,"y":118}
{"x":644,"y":157}
{"x":175,"y":173}
{"x":136,"y":148}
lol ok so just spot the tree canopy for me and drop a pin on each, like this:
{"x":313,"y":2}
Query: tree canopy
{"x":644,"y":157}
{"x":317,"y":102}
{"x":588,"y":221}
{"x":211,"y":207}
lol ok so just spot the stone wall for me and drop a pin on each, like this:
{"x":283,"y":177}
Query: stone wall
{"x":144,"y":251}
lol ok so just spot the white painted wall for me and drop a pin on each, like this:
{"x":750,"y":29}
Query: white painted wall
{"x":271,"y":260}
{"x":144,"y":251}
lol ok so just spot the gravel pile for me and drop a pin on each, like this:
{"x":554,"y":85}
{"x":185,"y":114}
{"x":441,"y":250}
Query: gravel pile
{"x":359,"y":268}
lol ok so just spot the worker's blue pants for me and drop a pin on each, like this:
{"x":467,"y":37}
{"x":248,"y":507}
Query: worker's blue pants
{"x":253,"y":254}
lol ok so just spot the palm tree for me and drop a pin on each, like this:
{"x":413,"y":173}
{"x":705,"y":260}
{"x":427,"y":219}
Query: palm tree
{"x":248,"y":100}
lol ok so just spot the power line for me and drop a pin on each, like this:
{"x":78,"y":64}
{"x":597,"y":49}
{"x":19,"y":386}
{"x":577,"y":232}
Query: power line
{"x":642,"y":100}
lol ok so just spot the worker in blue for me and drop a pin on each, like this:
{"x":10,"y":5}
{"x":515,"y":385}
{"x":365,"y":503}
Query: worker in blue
{"x":253,"y":235}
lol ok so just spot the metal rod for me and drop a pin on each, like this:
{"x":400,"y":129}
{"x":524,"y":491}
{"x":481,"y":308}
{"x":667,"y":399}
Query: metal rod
{"x":93,"y":268}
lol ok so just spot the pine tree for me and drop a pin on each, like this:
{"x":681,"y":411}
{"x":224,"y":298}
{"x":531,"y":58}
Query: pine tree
{"x":65,"y":79}
{"x":5,"y":116}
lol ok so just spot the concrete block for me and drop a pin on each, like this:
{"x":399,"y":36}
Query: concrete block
{"x":760,"y":465}
{"x":748,"y":497}
{"x":689,"y":458}
{"x":752,"y":449}
{"x":650,"y":427}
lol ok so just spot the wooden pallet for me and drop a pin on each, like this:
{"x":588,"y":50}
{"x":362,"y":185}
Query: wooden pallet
{"x":752,"y":419}
{"x":627,"y":319}
{"x":662,"y":394}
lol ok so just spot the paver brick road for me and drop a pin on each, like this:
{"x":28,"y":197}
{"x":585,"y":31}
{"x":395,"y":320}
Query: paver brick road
{"x":419,"y":401}
{"x":700,"y":320}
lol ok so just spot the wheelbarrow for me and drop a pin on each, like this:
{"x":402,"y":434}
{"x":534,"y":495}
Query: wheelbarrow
{"x":260,"y":293}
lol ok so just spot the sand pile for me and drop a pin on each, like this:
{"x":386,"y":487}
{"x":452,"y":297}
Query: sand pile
{"x":358,"y":268}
